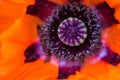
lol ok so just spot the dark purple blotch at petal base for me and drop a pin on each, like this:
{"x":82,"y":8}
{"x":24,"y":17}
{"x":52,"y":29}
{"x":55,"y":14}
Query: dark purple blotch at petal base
{"x":41,"y":9}
{"x":33,"y":52}
{"x":67,"y":68}
{"x":111,"y":57}
{"x":106,"y":15}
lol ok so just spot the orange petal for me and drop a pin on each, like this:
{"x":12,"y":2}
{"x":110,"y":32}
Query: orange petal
{"x":5,"y":23}
{"x":12,"y":10}
{"x":13,"y":44}
{"x":12,"y":57}
{"x":117,"y":12}
{"x":92,"y":72}
{"x":23,"y":30}
{"x":80,"y":76}
{"x":98,"y":71}
{"x":43,"y":72}
{"x":24,"y":1}
{"x":31,"y":71}
{"x":90,"y":69}
{"x":9,"y":12}
{"x":112,"y":37}
{"x":15,"y":40}
{"x":113,"y":3}
{"x":114,"y":72}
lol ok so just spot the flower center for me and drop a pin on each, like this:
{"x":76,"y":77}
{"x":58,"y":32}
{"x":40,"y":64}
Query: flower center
{"x":72,"y":35}
{"x":72,"y":31}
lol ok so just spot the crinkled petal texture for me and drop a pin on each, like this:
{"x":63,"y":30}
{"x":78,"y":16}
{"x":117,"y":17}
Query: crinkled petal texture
{"x":18,"y":31}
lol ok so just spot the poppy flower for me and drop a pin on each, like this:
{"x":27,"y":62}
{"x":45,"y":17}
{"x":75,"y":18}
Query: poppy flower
{"x":59,"y":39}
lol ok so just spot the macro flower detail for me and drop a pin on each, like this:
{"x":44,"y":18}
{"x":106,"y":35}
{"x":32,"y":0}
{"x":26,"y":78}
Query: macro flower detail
{"x":71,"y":44}
{"x":71,"y":33}
{"x":60,"y":39}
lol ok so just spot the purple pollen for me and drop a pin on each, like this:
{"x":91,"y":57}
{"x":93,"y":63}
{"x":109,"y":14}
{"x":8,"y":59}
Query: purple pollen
{"x":72,"y":31}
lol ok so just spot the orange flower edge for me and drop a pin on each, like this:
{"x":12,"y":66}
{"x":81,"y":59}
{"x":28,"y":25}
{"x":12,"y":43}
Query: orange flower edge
{"x":17,"y":38}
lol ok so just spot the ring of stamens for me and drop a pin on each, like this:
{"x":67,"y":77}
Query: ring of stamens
{"x":72,"y":35}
